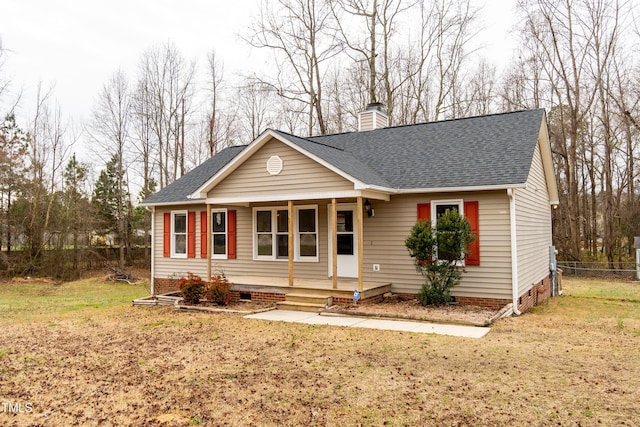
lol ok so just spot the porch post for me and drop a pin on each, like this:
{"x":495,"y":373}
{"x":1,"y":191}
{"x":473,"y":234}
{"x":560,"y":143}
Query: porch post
{"x":209,"y":242}
{"x":290,"y":242}
{"x":360,"y":244}
{"x":334,"y":243}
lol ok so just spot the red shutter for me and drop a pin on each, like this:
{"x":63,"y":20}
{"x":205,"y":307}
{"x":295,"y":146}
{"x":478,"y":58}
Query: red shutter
{"x":204,"y":238}
{"x":424,"y":211}
{"x":191,"y":235}
{"x":231,"y":234}
{"x":166,"y":248}
{"x":471,"y":212}
{"x":424,"y":214}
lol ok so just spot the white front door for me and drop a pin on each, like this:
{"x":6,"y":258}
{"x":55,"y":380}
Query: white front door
{"x":347,"y":238}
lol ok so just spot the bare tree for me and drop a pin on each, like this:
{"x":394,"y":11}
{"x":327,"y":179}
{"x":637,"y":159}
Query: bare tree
{"x":48,"y":151}
{"x":5,"y":87}
{"x":110,"y":129}
{"x":433,"y":65}
{"x":564,"y":39}
{"x":603,"y":20}
{"x":143,"y":141}
{"x":300,"y":33}
{"x":168,"y":83}
{"x":365,"y":49}
{"x":220,"y":116}
{"x":254,"y":107}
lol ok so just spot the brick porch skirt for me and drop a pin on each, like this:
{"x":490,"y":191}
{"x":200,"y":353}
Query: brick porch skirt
{"x":540,"y":292}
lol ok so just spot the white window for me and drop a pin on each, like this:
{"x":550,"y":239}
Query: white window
{"x":219,"y":229}
{"x":179,"y":234}
{"x":271,"y":233}
{"x":439,"y":208}
{"x":306,"y":233}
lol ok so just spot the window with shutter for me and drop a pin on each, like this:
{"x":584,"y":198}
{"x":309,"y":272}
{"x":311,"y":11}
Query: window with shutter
{"x":469,"y":209}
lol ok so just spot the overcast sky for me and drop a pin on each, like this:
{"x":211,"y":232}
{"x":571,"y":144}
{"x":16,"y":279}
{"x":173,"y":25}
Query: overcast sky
{"x":77,"y":45}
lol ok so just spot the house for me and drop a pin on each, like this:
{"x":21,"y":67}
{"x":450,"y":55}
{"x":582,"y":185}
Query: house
{"x":286,"y":215}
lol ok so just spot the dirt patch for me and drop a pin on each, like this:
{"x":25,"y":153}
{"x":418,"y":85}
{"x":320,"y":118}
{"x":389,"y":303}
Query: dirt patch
{"x":402,"y":308}
{"x":572,"y":361}
{"x":391,"y":308}
{"x":233,"y":307}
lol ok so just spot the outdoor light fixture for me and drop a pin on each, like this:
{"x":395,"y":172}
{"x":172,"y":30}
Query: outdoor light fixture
{"x":368,"y":209}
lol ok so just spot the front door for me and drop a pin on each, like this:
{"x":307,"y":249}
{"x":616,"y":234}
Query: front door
{"x":347,"y":241}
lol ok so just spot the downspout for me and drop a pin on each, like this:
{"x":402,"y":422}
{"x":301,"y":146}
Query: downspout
{"x":511,"y":192}
{"x":153,"y":239}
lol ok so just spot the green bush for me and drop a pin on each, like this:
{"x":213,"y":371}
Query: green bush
{"x":437,"y":255}
{"x":192,"y":288}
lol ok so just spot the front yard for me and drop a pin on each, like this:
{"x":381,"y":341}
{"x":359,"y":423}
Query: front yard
{"x":80,"y":354}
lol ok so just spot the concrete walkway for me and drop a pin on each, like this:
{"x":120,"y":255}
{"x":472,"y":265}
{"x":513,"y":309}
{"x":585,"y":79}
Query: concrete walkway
{"x":370,"y":323}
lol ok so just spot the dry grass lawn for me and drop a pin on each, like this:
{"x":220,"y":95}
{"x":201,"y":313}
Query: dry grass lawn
{"x":80,"y":354}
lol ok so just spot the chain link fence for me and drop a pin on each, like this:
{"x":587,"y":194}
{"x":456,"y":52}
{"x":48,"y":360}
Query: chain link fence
{"x":621,"y":269}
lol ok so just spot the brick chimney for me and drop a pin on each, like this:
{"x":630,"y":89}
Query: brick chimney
{"x":373,"y":117}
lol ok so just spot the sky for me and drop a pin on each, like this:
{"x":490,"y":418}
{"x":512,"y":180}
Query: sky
{"x":76,"y":45}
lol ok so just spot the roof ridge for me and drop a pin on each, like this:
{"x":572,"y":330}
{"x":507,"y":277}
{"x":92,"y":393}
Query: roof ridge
{"x":311,"y":140}
{"x":429,"y":123}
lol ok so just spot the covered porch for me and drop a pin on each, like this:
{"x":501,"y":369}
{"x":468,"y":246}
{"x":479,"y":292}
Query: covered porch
{"x":344,"y":291}
{"x":342,"y":244}
{"x":304,"y":294}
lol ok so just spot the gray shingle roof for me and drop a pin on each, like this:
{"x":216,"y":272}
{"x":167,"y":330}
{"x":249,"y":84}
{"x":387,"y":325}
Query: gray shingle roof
{"x":470,"y":152}
{"x":178,"y":190}
{"x":482,"y":151}
{"x":340,"y":158}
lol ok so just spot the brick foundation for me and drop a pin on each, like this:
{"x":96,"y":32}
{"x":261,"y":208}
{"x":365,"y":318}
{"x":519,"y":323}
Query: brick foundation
{"x":164,"y":286}
{"x":259,"y":296}
{"x":490,"y":303}
{"x":373,"y":299}
{"x":540,"y":292}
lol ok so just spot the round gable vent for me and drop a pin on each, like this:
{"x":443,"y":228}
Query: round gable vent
{"x":274,"y":165}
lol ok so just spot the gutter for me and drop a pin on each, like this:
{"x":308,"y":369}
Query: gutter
{"x":153,"y":238}
{"x":511,"y":192}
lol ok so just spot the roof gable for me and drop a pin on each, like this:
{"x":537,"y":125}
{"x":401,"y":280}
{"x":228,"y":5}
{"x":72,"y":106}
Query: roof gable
{"x":293,"y":174}
{"x":324,"y":155}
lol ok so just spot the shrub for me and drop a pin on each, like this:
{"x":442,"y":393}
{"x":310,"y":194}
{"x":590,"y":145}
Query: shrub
{"x":192,"y":288}
{"x":218,"y":290}
{"x":437,"y":255}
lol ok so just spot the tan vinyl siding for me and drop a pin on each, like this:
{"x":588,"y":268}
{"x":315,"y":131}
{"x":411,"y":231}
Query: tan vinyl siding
{"x":384,"y":236}
{"x":166,"y":267}
{"x":244,"y":264}
{"x":366,"y":121}
{"x":533,"y":223}
{"x":300,"y":174}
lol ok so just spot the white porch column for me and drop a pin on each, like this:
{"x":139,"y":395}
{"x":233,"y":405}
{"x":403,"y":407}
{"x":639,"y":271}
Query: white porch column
{"x":290,"y":242}
{"x":209,"y":242}
{"x":334,"y":243}
{"x":360,"y":243}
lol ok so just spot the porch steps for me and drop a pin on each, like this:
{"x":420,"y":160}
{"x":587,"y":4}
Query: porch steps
{"x":167,"y":299}
{"x":305,"y":302}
